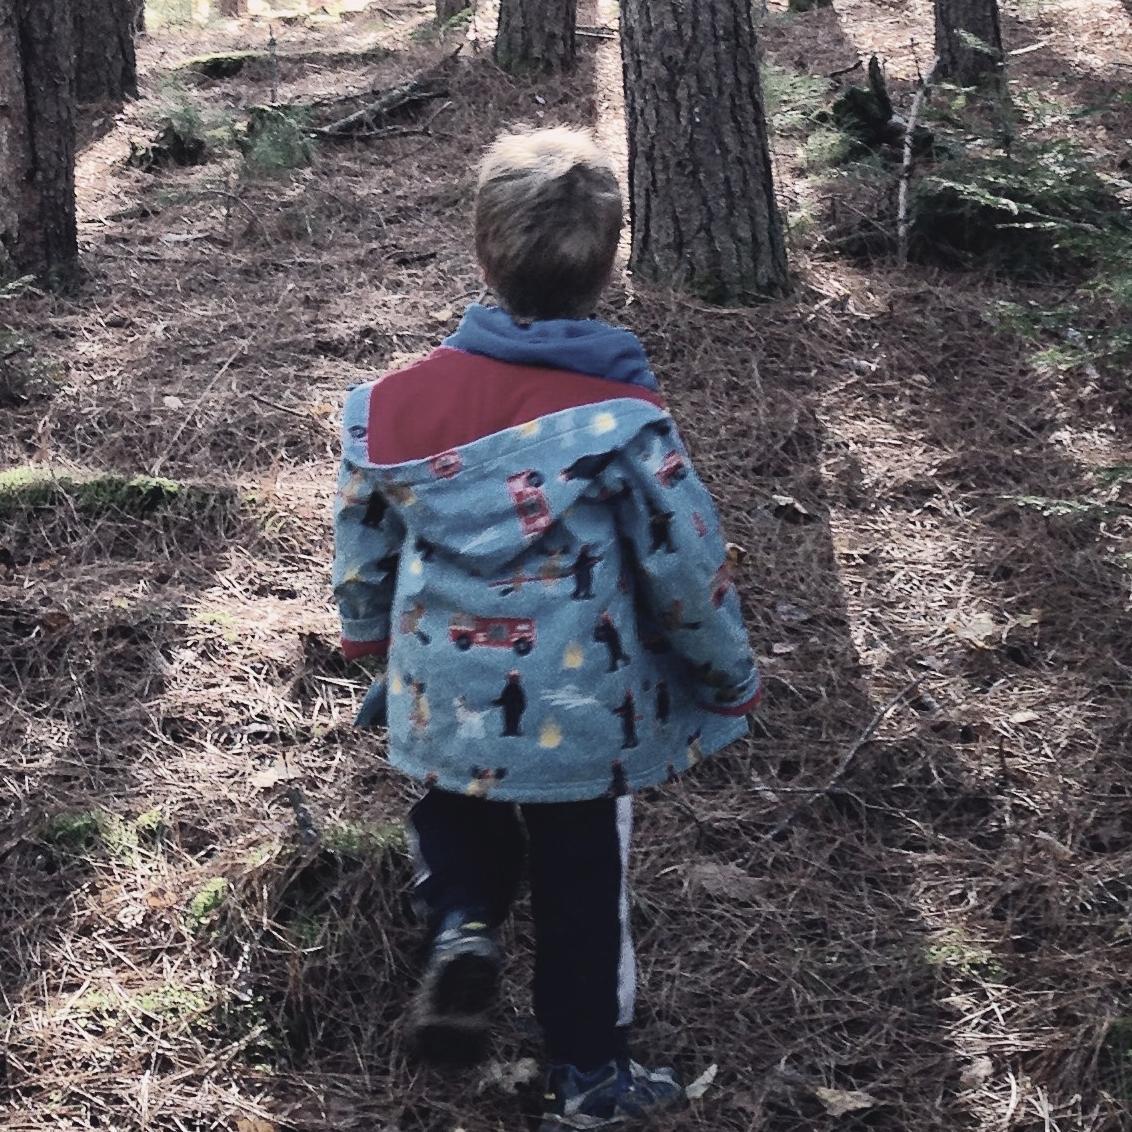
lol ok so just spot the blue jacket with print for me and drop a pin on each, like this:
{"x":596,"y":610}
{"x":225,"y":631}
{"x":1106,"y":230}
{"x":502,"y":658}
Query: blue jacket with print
{"x":528,"y":542}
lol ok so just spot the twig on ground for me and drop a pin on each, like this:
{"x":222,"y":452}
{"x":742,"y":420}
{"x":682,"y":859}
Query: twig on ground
{"x":849,"y":756}
{"x":275,"y":405}
{"x":160,"y":462}
{"x":844,"y":70}
{"x":906,"y":166}
{"x":225,"y":195}
{"x":421,"y":88}
{"x":273,"y":51}
{"x":303,"y":820}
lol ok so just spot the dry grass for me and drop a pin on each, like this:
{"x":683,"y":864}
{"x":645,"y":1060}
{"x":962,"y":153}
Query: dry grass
{"x":946,"y":931}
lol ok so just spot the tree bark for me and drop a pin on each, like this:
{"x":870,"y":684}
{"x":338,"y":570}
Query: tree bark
{"x":448,"y":9}
{"x":37,"y":139}
{"x":230,"y":8}
{"x":701,"y":189}
{"x":104,"y":38}
{"x":968,"y":42}
{"x":536,"y":35}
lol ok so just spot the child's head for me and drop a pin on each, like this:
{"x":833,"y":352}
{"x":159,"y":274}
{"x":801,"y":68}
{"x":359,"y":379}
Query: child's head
{"x":548,"y":219}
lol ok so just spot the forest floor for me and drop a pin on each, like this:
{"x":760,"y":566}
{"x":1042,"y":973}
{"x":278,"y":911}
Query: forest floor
{"x":941,"y":943}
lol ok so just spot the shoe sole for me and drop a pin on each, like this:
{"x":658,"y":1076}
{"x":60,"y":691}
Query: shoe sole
{"x":623,"y":1122}
{"x":455,"y":1041}
{"x":451,"y":1024}
{"x":467,"y":984}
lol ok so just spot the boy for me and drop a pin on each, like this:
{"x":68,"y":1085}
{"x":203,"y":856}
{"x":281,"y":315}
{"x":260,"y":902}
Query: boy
{"x":519,"y":530}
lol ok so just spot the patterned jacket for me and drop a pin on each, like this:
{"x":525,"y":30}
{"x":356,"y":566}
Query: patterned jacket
{"x":533,"y":551}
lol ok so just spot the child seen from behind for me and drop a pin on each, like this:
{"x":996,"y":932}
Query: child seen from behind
{"x":519,"y":529}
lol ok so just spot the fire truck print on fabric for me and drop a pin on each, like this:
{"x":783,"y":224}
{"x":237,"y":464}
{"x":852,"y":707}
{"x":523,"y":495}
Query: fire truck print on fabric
{"x":556,"y":601}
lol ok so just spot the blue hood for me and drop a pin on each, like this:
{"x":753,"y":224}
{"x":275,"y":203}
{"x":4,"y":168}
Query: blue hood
{"x":581,"y":345}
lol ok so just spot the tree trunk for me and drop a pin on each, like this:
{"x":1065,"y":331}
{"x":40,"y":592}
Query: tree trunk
{"x":968,"y":41}
{"x":104,"y":36}
{"x":701,"y":190}
{"x":37,"y":139}
{"x":536,"y":35}
{"x":139,"y":17}
{"x":449,"y":9}
{"x":230,"y":8}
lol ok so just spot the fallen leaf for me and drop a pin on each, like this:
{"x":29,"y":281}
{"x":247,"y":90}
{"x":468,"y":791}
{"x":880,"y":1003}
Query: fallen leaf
{"x":976,"y":1073}
{"x":787,"y":508}
{"x":702,"y":1083}
{"x":160,"y":898}
{"x":722,"y":878}
{"x":507,"y":1076}
{"x":172,"y":402}
{"x":253,"y":1124}
{"x":55,"y":621}
{"x":978,"y":630}
{"x":736,"y":554}
{"x":1029,"y":620}
{"x":792,"y":614}
{"x":781,"y":648}
{"x":265,"y":779}
{"x":443,"y":314}
{"x":1025,"y":717}
{"x":839,"y":1102}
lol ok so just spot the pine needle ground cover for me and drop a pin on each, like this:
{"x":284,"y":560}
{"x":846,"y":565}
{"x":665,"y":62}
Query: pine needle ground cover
{"x":201,"y":863}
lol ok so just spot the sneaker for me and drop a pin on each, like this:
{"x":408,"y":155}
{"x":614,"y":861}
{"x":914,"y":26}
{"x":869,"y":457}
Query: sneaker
{"x":451,"y":1014}
{"x":606,"y":1097}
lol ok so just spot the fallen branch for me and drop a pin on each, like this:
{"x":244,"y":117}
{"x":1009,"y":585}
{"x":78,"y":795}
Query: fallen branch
{"x":848,"y":757}
{"x":422,"y":88}
{"x":595,"y":33}
{"x":906,"y":166}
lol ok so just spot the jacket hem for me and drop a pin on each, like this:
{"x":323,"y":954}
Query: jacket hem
{"x":656,"y":774}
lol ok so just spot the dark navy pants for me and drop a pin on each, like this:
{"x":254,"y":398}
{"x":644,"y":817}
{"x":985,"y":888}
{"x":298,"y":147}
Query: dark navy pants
{"x":470,"y":855}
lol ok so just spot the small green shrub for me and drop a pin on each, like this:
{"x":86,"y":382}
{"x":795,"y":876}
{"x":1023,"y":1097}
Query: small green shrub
{"x":825,"y":148}
{"x":73,"y":833}
{"x":277,"y":140}
{"x":1040,"y":210}
{"x":363,"y":840}
{"x":183,"y":133}
{"x":206,"y":903}
{"x":793,"y":100}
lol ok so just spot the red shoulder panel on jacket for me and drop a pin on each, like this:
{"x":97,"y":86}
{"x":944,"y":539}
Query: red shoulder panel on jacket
{"x":452,"y":398}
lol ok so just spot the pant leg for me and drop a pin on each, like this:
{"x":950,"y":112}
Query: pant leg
{"x":585,"y":968}
{"x":468,"y":854}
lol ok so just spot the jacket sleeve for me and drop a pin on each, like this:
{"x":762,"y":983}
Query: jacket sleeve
{"x":688,"y":602}
{"x":368,"y":534}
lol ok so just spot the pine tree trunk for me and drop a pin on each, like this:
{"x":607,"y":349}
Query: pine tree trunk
{"x":701,"y":190}
{"x":37,"y":139}
{"x":448,"y":9}
{"x":536,"y":35}
{"x":968,"y":41}
{"x":104,"y":37}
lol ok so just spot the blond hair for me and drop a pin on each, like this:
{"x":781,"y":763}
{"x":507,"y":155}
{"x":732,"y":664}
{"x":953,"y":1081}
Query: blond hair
{"x":548,"y":219}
